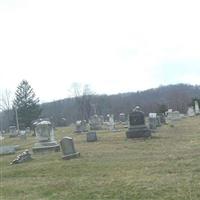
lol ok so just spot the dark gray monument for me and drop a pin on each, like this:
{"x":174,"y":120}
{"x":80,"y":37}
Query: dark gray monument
{"x":137,"y":127}
{"x":91,"y":137}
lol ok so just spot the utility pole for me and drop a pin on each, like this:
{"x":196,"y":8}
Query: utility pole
{"x":1,"y":115}
{"x":1,"y":122}
{"x":17,"y":122}
{"x":95,"y":110}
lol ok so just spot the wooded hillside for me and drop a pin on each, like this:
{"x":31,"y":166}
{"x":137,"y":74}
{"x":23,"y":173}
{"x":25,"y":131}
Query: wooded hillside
{"x":66,"y":111}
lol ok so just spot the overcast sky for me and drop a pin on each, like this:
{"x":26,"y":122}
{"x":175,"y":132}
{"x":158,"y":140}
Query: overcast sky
{"x":114,"y":46}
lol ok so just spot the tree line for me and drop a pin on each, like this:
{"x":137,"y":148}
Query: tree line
{"x":85,"y":103}
{"x":66,"y":111}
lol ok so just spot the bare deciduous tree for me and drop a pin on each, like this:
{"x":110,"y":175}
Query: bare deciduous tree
{"x":5,"y":108}
{"x":83,"y":97}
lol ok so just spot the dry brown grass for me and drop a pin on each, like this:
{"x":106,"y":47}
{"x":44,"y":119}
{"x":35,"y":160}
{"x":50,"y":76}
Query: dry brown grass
{"x":165,"y":167}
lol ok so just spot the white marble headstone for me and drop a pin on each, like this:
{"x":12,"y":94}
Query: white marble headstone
{"x":196,"y":107}
{"x":111,"y":122}
{"x":190,"y":111}
{"x":44,"y":131}
{"x":152,"y":115}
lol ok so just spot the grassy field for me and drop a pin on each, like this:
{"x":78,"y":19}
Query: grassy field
{"x":165,"y":167}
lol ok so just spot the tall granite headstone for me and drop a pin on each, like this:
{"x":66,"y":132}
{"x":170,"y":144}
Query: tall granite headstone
{"x":137,"y":127}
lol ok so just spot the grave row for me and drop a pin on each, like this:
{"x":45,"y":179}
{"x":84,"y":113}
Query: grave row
{"x":137,"y":128}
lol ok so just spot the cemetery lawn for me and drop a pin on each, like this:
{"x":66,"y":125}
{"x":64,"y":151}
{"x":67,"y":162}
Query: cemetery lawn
{"x":165,"y":167}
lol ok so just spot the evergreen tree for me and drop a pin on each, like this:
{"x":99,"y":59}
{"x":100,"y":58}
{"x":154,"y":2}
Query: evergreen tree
{"x":195,"y":99}
{"x":26,"y":104}
{"x":162,"y":108}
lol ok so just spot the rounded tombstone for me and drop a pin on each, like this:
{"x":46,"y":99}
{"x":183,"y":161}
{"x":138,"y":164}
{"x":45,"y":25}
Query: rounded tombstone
{"x":136,"y":117}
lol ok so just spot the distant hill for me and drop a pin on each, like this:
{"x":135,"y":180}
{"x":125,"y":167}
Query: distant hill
{"x":178,"y":97}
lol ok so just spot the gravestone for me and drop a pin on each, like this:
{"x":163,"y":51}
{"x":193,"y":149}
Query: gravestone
{"x":4,"y":150}
{"x":152,"y":120}
{"x":173,"y":116}
{"x":122,"y":117}
{"x":45,"y":136}
{"x":13,"y":131}
{"x":28,"y":130}
{"x":190,"y":111}
{"x":67,"y":146}
{"x":158,"y":121}
{"x":196,"y":107}
{"x":84,"y":126}
{"x":22,"y":134}
{"x":34,"y":127}
{"x":111,"y":123}
{"x":91,"y":137}
{"x":101,"y":119}
{"x":162,"y":118}
{"x":1,"y":137}
{"x":176,"y":115}
{"x":81,"y":126}
{"x":35,"y":122}
{"x":137,"y":127}
{"x":96,"y":122}
{"x":78,"y":127}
